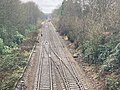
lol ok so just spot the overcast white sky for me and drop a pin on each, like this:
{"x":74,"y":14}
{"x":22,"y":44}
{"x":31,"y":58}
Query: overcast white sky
{"x":46,"y":5}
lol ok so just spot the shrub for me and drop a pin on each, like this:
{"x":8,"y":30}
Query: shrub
{"x":111,"y":83}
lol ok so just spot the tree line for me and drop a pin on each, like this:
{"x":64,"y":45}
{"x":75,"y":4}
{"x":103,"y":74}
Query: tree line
{"x":17,"y":20}
{"x":94,"y":27}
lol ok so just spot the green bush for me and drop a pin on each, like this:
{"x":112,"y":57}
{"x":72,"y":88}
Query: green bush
{"x":7,"y":50}
{"x":95,"y":52}
{"x":113,"y":61}
{"x":31,"y":28}
{"x":8,"y":83}
{"x":111,"y":83}
{"x":18,"y":38}
{"x":12,"y":61}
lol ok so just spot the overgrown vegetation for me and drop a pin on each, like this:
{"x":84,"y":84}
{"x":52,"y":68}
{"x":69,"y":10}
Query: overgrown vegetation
{"x":17,"y":21}
{"x":94,"y":27}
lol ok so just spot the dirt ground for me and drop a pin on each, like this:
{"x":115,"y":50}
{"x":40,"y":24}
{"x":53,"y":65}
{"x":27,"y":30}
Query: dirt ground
{"x":30,"y":74}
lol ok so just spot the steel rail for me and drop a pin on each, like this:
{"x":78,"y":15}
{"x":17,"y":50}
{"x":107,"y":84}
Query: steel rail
{"x":58,"y":69}
{"x":74,"y":76}
{"x":73,"y":70}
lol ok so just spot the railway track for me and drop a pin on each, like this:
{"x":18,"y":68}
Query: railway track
{"x":71,"y":80}
{"x":44,"y":72}
{"x":55,"y":72}
{"x":66,"y":68}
